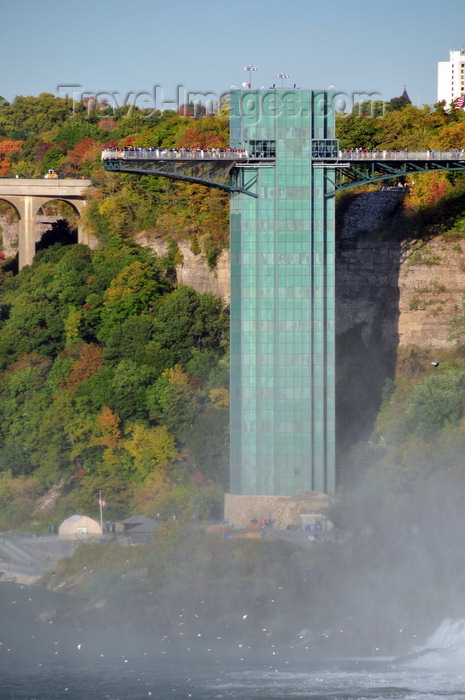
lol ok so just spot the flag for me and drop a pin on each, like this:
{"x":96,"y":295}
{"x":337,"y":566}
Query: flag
{"x":460,"y":102}
{"x":102,"y":502}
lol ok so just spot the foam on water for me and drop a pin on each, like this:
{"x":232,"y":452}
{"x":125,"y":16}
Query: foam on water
{"x":444,"y":649}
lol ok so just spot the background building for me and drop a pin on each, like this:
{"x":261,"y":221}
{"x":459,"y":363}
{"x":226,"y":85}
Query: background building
{"x":282,"y":295}
{"x":451,"y":77}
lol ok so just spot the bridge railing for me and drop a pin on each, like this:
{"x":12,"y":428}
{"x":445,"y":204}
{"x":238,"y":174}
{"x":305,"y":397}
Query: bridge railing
{"x":174,"y":154}
{"x":369,"y":154}
{"x":238,"y":155}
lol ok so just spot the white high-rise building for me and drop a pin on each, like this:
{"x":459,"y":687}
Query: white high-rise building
{"x":451,"y":77}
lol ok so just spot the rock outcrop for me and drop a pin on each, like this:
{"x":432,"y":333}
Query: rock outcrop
{"x":402,"y":291}
{"x":387,"y":290}
{"x":194,"y":270}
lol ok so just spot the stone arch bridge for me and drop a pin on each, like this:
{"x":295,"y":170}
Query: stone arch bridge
{"x":27,"y":196}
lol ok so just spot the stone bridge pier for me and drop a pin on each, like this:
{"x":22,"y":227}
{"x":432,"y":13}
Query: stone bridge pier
{"x":27,"y":196}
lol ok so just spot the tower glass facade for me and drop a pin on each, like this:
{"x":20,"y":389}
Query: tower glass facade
{"x":282,"y":295}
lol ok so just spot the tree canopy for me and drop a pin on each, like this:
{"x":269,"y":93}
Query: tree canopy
{"x":95,"y":390}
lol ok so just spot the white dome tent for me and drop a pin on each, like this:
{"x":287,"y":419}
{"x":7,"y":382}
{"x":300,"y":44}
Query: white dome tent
{"x":79,"y":527}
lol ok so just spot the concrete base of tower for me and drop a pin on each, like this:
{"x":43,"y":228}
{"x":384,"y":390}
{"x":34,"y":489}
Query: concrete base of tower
{"x":283,"y":511}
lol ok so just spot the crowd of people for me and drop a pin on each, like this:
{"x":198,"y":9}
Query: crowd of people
{"x":239,"y":153}
{"x":404,"y":154}
{"x":169,"y":153}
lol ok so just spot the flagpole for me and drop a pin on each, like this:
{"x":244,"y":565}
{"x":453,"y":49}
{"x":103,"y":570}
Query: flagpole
{"x":101,"y":510}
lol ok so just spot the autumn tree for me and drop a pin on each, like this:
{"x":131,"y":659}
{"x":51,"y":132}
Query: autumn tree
{"x":89,"y":360}
{"x":150,"y":448}
{"x":451,"y":136}
{"x":85,"y":151}
{"x":211,"y":132}
{"x":411,"y":127}
{"x":7,"y":149}
{"x":107,"y":428}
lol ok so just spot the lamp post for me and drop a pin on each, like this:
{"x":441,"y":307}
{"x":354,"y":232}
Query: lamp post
{"x":250,"y":69}
{"x":282,"y":76}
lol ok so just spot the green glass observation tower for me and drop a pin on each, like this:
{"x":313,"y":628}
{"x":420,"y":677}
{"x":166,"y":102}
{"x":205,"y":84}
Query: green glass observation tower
{"x":282,"y":294}
{"x":282,"y":171}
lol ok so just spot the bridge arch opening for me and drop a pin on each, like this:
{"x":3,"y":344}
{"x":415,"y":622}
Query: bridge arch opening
{"x":9,"y":234}
{"x":57,"y":221}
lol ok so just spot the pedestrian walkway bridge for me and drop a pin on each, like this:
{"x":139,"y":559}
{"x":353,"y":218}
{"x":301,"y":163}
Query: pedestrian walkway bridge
{"x":211,"y":167}
{"x":214,"y":167}
{"x":356,"y":168}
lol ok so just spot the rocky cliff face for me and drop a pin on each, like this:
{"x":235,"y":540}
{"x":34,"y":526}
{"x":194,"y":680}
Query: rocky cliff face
{"x":393,"y":301}
{"x":9,"y":231}
{"x":390,"y":295}
{"x":194,"y":270}
{"x":408,"y":289}
{"x":396,"y":293}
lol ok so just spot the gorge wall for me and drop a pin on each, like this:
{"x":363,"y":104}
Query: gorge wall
{"x":400,"y":292}
{"x":408,"y":288}
{"x":393,"y":300}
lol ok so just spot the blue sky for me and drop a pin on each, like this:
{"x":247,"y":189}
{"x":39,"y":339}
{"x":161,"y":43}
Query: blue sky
{"x":118,"y":47}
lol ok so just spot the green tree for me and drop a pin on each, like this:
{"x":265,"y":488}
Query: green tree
{"x":186,"y":321}
{"x":15,"y":458}
{"x":129,"y":385}
{"x":74,"y":130}
{"x":421,"y":411}
{"x":34,"y":115}
{"x":436,"y":402}
{"x":131,"y":339}
{"x":211,"y":457}
{"x":70,"y":274}
{"x":411,"y":127}
{"x":174,"y":402}
{"x":134,"y":291}
{"x":356,"y":131}
{"x":32,"y":327}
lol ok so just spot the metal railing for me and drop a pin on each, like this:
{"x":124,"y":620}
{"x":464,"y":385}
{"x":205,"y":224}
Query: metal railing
{"x":174,"y":154}
{"x":361,"y":154}
{"x":244,"y":155}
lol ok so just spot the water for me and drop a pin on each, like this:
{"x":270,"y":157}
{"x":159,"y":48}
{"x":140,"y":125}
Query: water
{"x":42,"y":659}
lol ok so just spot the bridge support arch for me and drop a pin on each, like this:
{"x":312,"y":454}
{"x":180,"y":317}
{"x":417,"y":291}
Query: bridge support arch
{"x":28,"y":196}
{"x":28,"y":208}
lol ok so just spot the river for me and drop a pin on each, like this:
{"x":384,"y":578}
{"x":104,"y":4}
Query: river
{"x":42,"y":659}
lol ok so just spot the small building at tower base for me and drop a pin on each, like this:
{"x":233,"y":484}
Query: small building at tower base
{"x":283,"y":511}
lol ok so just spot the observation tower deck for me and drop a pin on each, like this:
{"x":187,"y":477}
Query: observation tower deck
{"x":212,"y":167}
{"x":363,"y":167}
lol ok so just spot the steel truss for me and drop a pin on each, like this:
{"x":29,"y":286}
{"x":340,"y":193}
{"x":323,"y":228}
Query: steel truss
{"x":358,"y":172}
{"x":221,"y":174}
{"x":228,"y":174}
